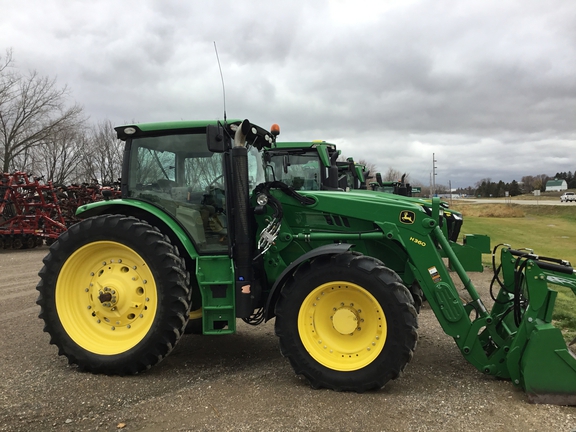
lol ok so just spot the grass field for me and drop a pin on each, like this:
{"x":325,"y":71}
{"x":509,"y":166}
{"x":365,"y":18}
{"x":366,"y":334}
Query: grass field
{"x":548,"y":230}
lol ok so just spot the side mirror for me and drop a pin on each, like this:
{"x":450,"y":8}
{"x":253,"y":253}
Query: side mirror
{"x":218,"y":141}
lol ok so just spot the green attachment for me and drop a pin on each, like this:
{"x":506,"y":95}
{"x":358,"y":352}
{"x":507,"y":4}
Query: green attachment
{"x":538,"y":360}
{"x":215,"y":276}
{"x":478,"y":241}
{"x":470,"y":252}
{"x":548,"y":367}
{"x":469,"y":258}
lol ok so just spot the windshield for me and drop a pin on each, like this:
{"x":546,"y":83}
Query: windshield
{"x":180,"y":159}
{"x":301,"y":172}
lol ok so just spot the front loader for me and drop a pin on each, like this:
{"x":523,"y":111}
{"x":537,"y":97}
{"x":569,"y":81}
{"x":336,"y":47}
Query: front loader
{"x":201,"y":230}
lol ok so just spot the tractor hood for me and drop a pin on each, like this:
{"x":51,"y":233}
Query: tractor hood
{"x":363,"y":206}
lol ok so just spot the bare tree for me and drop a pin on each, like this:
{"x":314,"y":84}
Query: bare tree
{"x":531,"y":183}
{"x":103,"y":159}
{"x":394,"y":175}
{"x":424,"y":189}
{"x":540,"y":182}
{"x":32,"y":111}
{"x":59,"y":158}
{"x":7,"y":77}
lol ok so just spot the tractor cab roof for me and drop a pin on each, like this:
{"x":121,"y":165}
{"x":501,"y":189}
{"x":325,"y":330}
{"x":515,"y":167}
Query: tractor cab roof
{"x":164,"y":128}
{"x":259,"y":137}
{"x":304,"y":145}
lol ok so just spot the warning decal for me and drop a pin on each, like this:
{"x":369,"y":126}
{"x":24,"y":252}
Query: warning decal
{"x":434,"y":274}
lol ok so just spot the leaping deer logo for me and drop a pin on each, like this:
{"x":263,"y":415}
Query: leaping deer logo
{"x":407,"y":217}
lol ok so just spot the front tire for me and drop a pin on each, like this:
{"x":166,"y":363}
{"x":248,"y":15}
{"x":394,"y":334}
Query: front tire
{"x":346,"y":322}
{"x":113,"y":295}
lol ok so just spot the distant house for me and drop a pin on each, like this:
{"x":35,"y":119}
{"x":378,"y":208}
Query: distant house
{"x":556,"y":185}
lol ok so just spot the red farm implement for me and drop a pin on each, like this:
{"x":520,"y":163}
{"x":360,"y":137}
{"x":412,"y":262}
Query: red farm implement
{"x":73,"y":196}
{"x":29,"y":212}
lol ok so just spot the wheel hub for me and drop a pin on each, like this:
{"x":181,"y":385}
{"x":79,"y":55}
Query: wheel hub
{"x":107,"y":297}
{"x":345,"y":320}
{"x":107,"y":306}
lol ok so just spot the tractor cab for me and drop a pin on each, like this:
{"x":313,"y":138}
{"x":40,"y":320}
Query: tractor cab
{"x":352,"y":175}
{"x":400,"y":187}
{"x":302,"y":165}
{"x":177,"y":172}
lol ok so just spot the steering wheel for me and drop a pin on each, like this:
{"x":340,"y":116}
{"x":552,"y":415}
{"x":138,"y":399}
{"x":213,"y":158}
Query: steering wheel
{"x":214,"y":189}
{"x":214,"y":183}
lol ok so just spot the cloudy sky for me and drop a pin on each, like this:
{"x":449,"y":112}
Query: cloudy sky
{"x":487,"y":86}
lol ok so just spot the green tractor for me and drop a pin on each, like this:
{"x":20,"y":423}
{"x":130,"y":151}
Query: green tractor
{"x":352,"y":175}
{"x":399,"y":187}
{"x":206,"y":227}
{"x":314,"y":165}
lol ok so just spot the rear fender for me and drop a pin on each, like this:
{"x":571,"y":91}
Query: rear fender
{"x":144,"y":211}
{"x":330,"y":249}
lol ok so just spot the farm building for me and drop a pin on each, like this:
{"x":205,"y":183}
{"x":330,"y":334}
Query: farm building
{"x":556,"y":185}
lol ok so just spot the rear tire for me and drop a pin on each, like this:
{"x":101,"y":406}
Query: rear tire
{"x":346,"y":322}
{"x":113,"y":295}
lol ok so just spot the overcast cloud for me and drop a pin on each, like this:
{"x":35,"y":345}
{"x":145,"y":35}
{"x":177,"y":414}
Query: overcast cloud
{"x":488,"y":86}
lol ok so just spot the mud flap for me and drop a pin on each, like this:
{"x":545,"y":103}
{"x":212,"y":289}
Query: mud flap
{"x":548,"y":368}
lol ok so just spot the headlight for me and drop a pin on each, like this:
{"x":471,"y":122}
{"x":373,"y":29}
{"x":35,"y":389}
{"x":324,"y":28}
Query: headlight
{"x":262,"y":199}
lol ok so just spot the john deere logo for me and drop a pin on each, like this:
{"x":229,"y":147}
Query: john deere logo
{"x":407,"y":217}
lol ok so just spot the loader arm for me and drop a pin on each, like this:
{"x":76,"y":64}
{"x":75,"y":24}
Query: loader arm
{"x":516,"y":339}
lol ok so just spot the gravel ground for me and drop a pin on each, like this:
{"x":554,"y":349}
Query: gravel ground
{"x":241,"y":382}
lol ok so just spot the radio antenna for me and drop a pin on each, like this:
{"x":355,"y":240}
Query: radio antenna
{"x":222,"y":78}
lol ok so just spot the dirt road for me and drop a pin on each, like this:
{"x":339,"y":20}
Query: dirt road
{"x":241,"y":382}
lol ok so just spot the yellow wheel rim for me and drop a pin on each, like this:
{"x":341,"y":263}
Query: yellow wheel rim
{"x":195,"y":314}
{"x":342,"y":326}
{"x":106,"y":297}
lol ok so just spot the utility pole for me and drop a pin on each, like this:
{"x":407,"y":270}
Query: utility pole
{"x":433,"y":174}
